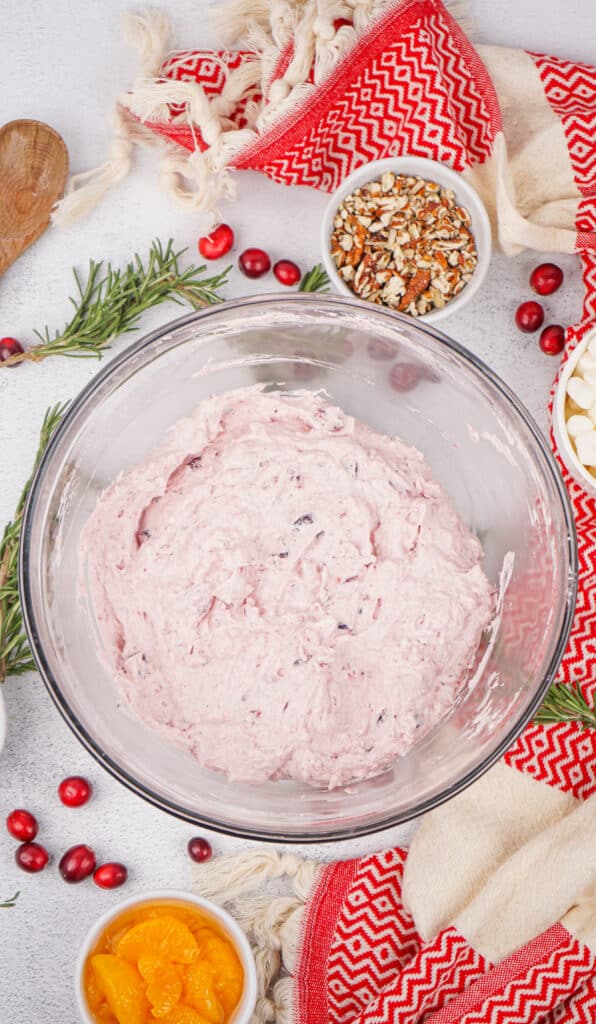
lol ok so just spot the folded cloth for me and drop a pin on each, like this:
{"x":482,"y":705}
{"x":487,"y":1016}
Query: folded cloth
{"x":496,"y":921}
{"x":319,"y":87}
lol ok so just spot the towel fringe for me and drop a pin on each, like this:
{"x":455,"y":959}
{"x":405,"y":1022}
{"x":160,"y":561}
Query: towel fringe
{"x":304,"y":32}
{"x":272,"y":924}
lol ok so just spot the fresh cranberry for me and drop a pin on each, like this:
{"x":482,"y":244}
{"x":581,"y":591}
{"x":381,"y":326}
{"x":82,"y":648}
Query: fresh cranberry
{"x":546,"y":278}
{"x":110,"y":876}
{"x":218,"y":243}
{"x":254,"y":262}
{"x":287,"y":273}
{"x":379,"y":349}
{"x":77,"y":863}
{"x":75,"y":791}
{"x":529,"y":316}
{"x":31,"y":857}
{"x":404,"y":376}
{"x":22,"y":825}
{"x":199,"y":849}
{"x":552,"y":339}
{"x":10,"y":347}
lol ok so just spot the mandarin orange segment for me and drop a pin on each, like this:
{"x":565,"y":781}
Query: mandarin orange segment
{"x":95,"y":996}
{"x":188,"y":917}
{"x":229,"y":976}
{"x":199,"y":991}
{"x":164,"y":984}
{"x":123,"y":988}
{"x":202,"y":934}
{"x":184,"y":1015}
{"x":165,"y":937}
{"x":105,"y":1014}
{"x":149,"y":965}
{"x":164,"y":992}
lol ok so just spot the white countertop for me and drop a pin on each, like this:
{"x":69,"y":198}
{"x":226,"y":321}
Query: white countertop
{"x":63,"y":63}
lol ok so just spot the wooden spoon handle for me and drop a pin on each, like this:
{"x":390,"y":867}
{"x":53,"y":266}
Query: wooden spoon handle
{"x":33,"y":171}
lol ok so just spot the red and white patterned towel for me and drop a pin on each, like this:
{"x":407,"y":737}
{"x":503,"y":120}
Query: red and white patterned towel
{"x":316,"y":89}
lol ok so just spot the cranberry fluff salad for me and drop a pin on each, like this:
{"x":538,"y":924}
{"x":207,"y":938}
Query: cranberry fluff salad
{"x":284,"y":591}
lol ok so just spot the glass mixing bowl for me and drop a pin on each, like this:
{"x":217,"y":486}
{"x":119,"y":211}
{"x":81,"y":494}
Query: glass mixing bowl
{"x":401,"y":378}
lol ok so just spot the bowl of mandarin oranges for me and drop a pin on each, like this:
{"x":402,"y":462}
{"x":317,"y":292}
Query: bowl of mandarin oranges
{"x":171,"y":957}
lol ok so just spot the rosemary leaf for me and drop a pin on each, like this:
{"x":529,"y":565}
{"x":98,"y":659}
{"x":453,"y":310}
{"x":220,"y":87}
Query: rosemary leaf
{"x":11,"y":902}
{"x":566,"y":704}
{"x":111,"y":302}
{"x":315,"y":280}
{"x":15,"y":656}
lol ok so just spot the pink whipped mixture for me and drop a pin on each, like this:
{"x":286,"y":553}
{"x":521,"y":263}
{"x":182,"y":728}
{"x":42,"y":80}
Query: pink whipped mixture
{"x":284,"y":591}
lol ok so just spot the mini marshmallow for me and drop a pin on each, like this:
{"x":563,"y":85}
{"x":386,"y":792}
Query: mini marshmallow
{"x":590,"y":378}
{"x":586,"y":448}
{"x":581,"y":393}
{"x":592,"y":413}
{"x":591,"y":347}
{"x":577,"y":425}
{"x":586,"y":362}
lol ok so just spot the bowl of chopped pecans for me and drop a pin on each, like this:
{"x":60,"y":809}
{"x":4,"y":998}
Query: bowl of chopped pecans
{"x":407,"y":233}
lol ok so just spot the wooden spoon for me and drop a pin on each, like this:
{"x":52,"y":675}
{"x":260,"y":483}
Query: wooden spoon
{"x":33,"y":170}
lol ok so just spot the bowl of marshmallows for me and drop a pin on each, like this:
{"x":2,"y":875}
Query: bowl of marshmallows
{"x":574,"y":413}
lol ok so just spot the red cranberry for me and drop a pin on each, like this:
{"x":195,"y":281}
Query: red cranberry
{"x":110,"y":876}
{"x":77,"y":863}
{"x":199,"y":849}
{"x":10,"y":347}
{"x":254,"y":262}
{"x":31,"y":857}
{"x":287,"y":273}
{"x":75,"y":791}
{"x":404,"y":376}
{"x":546,"y":278}
{"x":379,"y":349}
{"x":529,"y":316}
{"x":22,"y":825}
{"x":552,"y":339}
{"x":218,"y":243}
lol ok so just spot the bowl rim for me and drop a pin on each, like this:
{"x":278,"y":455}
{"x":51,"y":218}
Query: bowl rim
{"x":426,"y":168}
{"x":240,"y":941}
{"x":566,"y":449}
{"x":329,"y":834}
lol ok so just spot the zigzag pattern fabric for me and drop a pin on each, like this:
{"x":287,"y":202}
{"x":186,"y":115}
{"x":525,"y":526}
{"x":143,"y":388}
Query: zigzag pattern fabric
{"x":362,"y":962}
{"x":565,"y":755}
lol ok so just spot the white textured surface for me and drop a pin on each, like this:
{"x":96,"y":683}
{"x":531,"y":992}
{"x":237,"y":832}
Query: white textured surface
{"x":63,"y":62}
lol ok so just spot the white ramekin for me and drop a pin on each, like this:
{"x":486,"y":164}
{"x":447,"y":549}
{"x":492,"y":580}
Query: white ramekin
{"x":564,"y":444}
{"x":243,"y":1011}
{"x":431,"y":170}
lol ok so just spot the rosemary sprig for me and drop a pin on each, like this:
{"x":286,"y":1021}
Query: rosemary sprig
{"x":12,"y":902}
{"x":15,"y":656}
{"x":566,"y":704}
{"x":315,"y":280}
{"x":111,"y":302}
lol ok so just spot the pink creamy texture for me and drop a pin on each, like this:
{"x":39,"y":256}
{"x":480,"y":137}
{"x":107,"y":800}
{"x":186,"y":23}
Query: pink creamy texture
{"x":285,"y":591}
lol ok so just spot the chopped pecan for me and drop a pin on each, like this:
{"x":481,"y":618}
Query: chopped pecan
{"x":403,"y":242}
{"x":417,"y":284}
